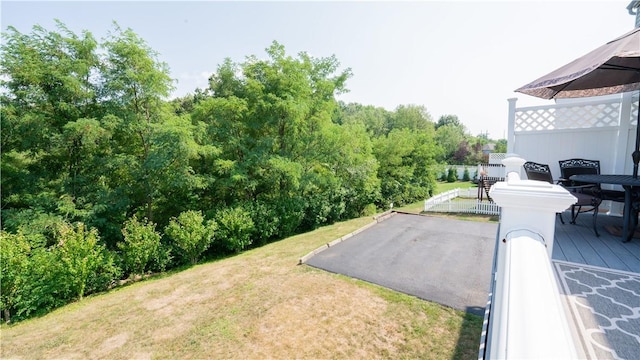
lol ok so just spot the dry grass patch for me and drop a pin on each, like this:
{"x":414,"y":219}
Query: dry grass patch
{"x":259,"y":304}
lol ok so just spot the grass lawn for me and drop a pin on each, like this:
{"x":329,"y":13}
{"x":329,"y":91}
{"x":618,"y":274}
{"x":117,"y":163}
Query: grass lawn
{"x":417,"y":207}
{"x":441,"y":187}
{"x":256,"y":305}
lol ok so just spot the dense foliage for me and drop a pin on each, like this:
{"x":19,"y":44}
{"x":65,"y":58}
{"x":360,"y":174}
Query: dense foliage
{"x":104,"y":178}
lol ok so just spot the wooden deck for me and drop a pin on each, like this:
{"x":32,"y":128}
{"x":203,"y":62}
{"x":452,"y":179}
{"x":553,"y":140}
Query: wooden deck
{"x":602,"y":304}
{"x":578,"y":243}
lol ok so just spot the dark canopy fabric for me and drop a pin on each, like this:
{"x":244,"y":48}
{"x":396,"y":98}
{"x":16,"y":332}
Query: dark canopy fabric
{"x":610,"y":69}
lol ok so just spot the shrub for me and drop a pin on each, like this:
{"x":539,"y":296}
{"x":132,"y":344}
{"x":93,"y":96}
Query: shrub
{"x":369,"y":210}
{"x":191,"y":234}
{"x":465,"y":175}
{"x":234,"y":228}
{"x":42,"y":288}
{"x":141,"y":243}
{"x":84,"y":265}
{"x":452,"y":175}
{"x":291,"y":212}
{"x":15,"y":251}
{"x":265,"y":220}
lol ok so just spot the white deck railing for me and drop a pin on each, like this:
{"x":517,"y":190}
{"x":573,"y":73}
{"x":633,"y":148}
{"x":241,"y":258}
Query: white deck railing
{"x":526,"y":318}
{"x":492,"y":170}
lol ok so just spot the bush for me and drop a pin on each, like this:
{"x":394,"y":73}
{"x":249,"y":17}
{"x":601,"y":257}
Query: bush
{"x":369,"y":210}
{"x":84,"y":265}
{"x":36,"y":280}
{"x":42,"y":288}
{"x":235,"y":228}
{"x":265,"y":220}
{"x":15,"y":251}
{"x":452,"y":175}
{"x":191,"y":235}
{"x":465,"y":175}
{"x":291,"y":212}
{"x":141,"y":243}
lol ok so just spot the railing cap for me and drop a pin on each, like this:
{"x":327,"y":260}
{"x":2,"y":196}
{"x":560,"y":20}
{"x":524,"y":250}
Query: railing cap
{"x":531,"y":194}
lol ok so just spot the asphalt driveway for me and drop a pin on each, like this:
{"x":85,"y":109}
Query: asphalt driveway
{"x":442,"y":260}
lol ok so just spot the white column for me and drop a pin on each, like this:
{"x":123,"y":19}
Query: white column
{"x":511,"y":125}
{"x":621,"y":153}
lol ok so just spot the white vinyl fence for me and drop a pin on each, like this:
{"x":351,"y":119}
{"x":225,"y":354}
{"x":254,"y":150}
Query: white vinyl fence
{"x":460,"y":201}
{"x":600,"y":128}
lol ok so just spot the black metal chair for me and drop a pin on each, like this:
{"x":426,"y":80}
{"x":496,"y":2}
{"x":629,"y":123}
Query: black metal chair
{"x":585,"y":202}
{"x":577,"y":166}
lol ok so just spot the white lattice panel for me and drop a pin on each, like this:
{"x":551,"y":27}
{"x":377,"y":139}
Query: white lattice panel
{"x":601,"y":128}
{"x":634,"y":109}
{"x":496,"y":158}
{"x":568,"y":117}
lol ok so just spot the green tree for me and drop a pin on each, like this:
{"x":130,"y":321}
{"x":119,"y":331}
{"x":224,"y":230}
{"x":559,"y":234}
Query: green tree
{"x":405,"y":159}
{"x":47,"y":82}
{"x":501,"y":146}
{"x":87,"y":133}
{"x":449,"y":138}
{"x":271,"y":119}
{"x":412,"y":117}
{"x":135,"y":87}
{"x":348,"y":164}
{"x":375,"y":119}
{"x":449,"y":120}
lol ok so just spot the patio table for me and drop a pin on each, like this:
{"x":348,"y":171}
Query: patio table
{"x":629,"y":183}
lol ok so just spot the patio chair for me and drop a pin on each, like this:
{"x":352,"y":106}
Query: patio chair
{"x":585,"y":202}
{"x":572,"y":167}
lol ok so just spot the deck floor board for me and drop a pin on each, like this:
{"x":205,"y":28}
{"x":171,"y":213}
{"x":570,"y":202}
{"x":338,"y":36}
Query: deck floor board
{"x":578,"y":243}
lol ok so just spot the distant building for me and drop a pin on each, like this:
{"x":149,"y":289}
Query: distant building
{"x":488,"y":148}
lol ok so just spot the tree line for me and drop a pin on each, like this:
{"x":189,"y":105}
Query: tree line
{"x":105,"y":178}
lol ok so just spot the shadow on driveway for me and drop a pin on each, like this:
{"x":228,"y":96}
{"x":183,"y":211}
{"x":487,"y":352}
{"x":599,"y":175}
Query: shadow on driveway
{"x":438,"y":259}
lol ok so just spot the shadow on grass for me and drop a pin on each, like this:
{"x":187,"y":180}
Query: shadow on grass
{"x":469,"y":337}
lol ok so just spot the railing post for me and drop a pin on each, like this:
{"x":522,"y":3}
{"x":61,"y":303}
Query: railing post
{"x":512,"y":164}
{"x":520,"y":328}
{"x":529,"y":204}
{"x":511,"y":125}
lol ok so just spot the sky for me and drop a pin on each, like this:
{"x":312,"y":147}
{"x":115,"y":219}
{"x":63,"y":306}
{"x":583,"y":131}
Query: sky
{"x":462,"y":58}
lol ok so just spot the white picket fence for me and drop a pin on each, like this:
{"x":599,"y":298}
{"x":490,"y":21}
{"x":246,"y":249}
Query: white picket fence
{"x":460,"y":201}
